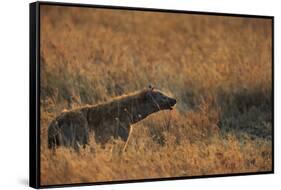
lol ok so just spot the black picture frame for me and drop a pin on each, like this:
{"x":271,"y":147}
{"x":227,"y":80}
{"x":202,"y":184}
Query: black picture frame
{"x":34,"y":92}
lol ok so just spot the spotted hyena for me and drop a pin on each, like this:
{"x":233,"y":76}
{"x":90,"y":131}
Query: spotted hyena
{"x":106,"y":120}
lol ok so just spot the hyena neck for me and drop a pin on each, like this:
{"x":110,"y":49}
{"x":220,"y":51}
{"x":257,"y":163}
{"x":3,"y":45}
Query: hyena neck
{"x":139,"y":109}
{"x":131,"y":108}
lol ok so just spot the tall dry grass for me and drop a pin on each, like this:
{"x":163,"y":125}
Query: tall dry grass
{"x":218,"y":68}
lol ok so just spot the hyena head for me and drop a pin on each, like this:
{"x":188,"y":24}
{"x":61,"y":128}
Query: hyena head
{"x":158,"y":100}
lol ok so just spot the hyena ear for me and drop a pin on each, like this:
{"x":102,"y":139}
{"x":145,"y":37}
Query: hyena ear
{"x":150,"y":87}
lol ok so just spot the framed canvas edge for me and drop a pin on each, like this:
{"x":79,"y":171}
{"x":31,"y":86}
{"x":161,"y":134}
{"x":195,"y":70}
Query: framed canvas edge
{"x":54,"y":3}
{"x":155,"y":179}
{"x":34,"y":93}
{"x":34,"y":101}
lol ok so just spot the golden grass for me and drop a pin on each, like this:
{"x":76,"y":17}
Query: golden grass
{"x":218,"y":68}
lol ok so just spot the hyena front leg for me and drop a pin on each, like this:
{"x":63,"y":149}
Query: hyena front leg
{"x":130,"y":134}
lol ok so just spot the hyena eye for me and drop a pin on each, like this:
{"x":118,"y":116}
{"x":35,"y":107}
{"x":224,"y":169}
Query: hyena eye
{"x":159,"y":94}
